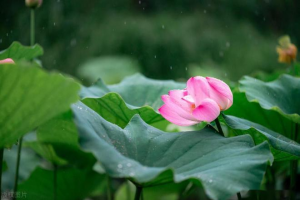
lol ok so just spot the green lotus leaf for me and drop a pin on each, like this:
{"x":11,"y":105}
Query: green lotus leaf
{"x":281,"y":95}
{"x":150,"y":157}
{"x":113,"y":108}
{"x":57,"y":142}
{"x":253,"y":112}
{"x":136,"y":90}
{"x":282,"y":147}
{"x":29,"y":97}
{"x":136,"y":95}
{"x":72,"y":184}
{"x":17,"y":51}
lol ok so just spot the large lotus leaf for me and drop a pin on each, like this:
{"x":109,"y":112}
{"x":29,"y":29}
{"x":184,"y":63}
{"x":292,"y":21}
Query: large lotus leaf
{"x":113,"y":108}
{"x":282,"y":147}
{"x":253,"y":112}
{"x":72,"y":184}
{"x":29,"y":97}
{"x":57,"y":141}
{"x":136,"y":90}
{"x":281,"y":95}
{"x":17,"y":51}
{"x":149,"y":157}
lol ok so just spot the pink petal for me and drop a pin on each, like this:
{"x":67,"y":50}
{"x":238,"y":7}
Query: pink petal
{"x":182,"y":108}
{"x":220,"y":92}
{"x":198,"y":88}
{"x":178,"y":94}
{"x":189,"y":99}
{"x":170,"y":115}
{"x":208,"y":111}
{"x":7,"y":61}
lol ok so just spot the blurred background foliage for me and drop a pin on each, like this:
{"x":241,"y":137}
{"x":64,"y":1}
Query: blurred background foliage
{"x":168,"y":39}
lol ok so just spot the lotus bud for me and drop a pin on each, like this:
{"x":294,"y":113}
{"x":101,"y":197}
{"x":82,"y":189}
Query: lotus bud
{"x":286,"y":50}
{"x":33,"y":3}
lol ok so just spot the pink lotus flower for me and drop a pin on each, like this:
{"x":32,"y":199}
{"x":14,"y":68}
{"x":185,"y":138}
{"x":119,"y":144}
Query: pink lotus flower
{"x":202,"y":100}
{"x":7,"y":61}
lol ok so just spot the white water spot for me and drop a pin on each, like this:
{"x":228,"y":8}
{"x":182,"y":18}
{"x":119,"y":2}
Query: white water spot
{"x":120,"y":166}
{"x":228,"y":44}
{"x":131,"y":174}
{"x":204,"y":11}
{"x":210,"y":181}
{"x":128,"y":164}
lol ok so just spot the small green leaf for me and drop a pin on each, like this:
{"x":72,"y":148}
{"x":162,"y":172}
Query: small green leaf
{"x":281,"y":95}
{"x":150,"y":157}
{"x":113,"y":108}
{"x":282,"y":147}
{"x":17,"y":51}
{"x":46,"y":151}
{"x":29,"y":97}
{"x":72,"y":184}
{"x":61,"y":134}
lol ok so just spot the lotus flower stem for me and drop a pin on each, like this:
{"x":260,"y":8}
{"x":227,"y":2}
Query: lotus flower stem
{"x":219,"y":127}
{"x":54,"y":182}
{"x":138,"y":193}
{"x":1,"y":162}
{"x":18,"y":166}
{"x":239,"y":196}
{"x":32,"y":29}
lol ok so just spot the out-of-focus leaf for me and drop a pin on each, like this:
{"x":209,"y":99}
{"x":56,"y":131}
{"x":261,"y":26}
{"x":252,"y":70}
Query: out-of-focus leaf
{"x":106,"y":68}
{"x":4,"y":166}
{"x":281,"y":147}
{"x":17,"y":51}
{"x":150,"y":157}
{"x":29,"y":97}
{"x":46,"y":151}
{"x":281,"y":95}
{"x":72,"y":184}
{"x":29,"y":161}
{"x":60,"y":135}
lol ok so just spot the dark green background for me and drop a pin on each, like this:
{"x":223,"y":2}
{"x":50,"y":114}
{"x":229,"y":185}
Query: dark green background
{"x":166,"y":37}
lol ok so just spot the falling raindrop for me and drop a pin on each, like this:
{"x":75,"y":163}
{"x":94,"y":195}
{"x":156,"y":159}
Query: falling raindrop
{"x":171,"y":67}
{"x":163,"y":26}
{"x":140,"y":2}
{"x":204,"y":11}
{"x":155,"y":56}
